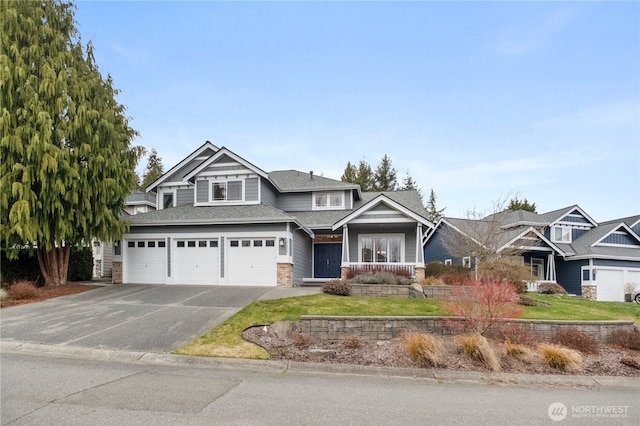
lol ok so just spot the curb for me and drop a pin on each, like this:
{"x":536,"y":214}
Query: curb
{"x":291,"y":367}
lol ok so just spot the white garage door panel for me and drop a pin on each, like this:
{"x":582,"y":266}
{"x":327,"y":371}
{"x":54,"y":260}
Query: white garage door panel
{"x":146,"y":262}
{"x":251,"y":261}
{"x":611,"y":283}
{"x":196,"y":261}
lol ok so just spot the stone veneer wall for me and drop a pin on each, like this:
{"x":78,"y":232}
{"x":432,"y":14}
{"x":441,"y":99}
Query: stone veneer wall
{"x":285,"y":275}
{"x":589,"y":291}
{"x":380,"y":290}
{"x":116,"y":272}
{"x":335,"y":329}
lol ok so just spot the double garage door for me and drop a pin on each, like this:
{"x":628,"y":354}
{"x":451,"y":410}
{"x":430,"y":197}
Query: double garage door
{"x":210,"y":261}
{"x":611,"y":282}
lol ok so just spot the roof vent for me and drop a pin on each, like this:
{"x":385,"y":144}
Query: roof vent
{"x":311,"y":174}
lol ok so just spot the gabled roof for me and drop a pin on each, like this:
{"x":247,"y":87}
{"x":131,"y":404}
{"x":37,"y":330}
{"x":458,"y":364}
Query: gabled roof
{"x":510,"y":218}
{"x":388,"y":199}
{"x":557,"y":215}
{"x":297,"y":181}
{"x":206,"y":147}
{"x":215,"y":157}
{"x":512,"y":237}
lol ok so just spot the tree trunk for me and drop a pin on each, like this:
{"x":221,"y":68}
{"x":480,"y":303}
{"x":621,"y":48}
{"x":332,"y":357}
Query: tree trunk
{"x":54,"y":265}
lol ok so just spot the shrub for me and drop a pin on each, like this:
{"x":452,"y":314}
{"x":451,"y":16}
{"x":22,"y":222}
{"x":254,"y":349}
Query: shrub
{"x":477,"y":347}
{"x":3,"y":294}
{"x":431,"y":280}
{"x":80,"y":264}
{"x":352,"y":342}
{"x":372,"y":269}
{"x":300,"y":340}
{"x":631,"y":362}
{"x":625,"y":339}
{"x":381,"y":277}
{"x":24,"y":267}
{"x":514,"y":334}
{"x":560,"y":357}
{"x":337,"y":288}
{"x":551,"y":288}
{"x":483,"y":303}
{"x":436,"y":269}
{"x":577,"y":340}
{"x":518,"y":351}
{"x":506,"y":269}
{"x":423,"y":348}
{"x":24,"y":290}
{"x":457,"y":278}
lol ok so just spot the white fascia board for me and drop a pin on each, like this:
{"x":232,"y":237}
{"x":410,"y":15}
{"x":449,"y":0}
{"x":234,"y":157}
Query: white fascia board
{"x":535,"y":231}
{"x":606,"y":257}
{"x":219,"y":154}
{"x":582,"y":212}
{"x":614,"y":229}
{"x":190,"y":157}
{"x":389,"y":202}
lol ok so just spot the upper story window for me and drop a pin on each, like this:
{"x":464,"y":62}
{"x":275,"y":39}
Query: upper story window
{"x":167,"y":200}
{"x":328,"y":200}
{"x":561,"y":234}
{"x":226,"y":190}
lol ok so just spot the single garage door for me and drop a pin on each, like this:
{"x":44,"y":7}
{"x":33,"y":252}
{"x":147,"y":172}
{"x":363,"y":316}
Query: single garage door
{"x":145,"y":262}
{"x":251,"y":261}
{"x":611,"y":283}
{"x":196,"y":261}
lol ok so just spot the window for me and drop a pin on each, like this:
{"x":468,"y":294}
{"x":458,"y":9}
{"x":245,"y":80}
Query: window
{"x":329,"y":200}
{"x":167,"y":200}
{"x":180,"y":243}
{"x":162,"y":244}
{"x":227,"y":191}
{"x":213,"y":243}
{"x":191,"y":243}
{"x":246,"y":243}
{"x":131,"y":243}
{"x":140,"y":243}
{"x":117,"y":251}
{"x":234,"y":243}
{"x":151,"y":244}
{"x":202,"y":243}
{"x":270,"y":243}
{"x":257,"y":243}
{"x":561,"y":234}
{"x":447,"y":262}
{"x":466,"y":262}
{"x":381,"y":248}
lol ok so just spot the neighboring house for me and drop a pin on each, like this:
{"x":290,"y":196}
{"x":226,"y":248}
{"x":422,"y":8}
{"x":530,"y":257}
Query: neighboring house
{"x":136,"y":203}
{"x":221,"y":220}
{"x":565,"y":246}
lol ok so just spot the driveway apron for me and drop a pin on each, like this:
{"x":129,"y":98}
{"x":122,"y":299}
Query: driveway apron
{"x":144,"y":318}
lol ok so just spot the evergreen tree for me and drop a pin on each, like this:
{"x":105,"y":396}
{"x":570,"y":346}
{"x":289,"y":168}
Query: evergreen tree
{"x":350,"y":173}
{"x":409,"y":184}
{"x":153,"y":171}
{"x":385,"y":177}
{"x":516,"y":204}
{"x":67,"y":160}
{"x":364,"y":177}
{"x":433,"y":214}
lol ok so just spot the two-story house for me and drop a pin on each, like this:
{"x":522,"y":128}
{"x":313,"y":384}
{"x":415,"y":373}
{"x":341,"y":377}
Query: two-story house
{"x":221,"y":220}
{"x":595,"y":260}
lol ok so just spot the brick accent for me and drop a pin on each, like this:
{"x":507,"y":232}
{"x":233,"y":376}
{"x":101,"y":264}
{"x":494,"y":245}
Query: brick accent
{"x":285,"y":275}
{"x":116,"y":272}
{"x":590,"y":291}
{"x":380,"y":290}
{"x":419,"y":271}
{"x":344,"y":272}
{"x":335,"y":329}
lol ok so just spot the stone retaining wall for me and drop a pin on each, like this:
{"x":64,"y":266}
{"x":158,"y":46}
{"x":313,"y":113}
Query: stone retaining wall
{"x":331,"y":328}
{"x":380,"y":290}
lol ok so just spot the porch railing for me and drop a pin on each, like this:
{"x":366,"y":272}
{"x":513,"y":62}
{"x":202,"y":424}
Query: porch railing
{"x":532,"y":286}
{"x":396,"y":268}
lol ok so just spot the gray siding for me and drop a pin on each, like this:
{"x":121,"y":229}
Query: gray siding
{"x":251,"y":189}
{"x":184,"y":196}
{"x":202,"y":191}
{"x":268,"y":194}
{"x":296,"y":202}
{"x":302,"y":254}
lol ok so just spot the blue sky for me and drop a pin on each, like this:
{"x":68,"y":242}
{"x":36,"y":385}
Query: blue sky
{"x":477,"y":100}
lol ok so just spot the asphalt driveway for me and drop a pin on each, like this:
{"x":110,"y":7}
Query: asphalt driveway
{"x":145,"y":318}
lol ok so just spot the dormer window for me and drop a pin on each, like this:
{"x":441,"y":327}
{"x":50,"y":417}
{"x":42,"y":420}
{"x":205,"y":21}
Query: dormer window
{"x":561,"y":234}
{"x":328,"y":200}
{"x":226,"y":190}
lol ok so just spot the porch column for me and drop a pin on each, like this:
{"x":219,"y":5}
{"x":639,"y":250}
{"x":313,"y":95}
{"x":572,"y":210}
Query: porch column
{"x":345,"y":245}
{"x":551,"y":268}
{"x":419,"y":252}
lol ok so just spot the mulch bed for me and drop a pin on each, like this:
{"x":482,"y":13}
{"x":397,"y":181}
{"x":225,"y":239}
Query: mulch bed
{"x":49,"y":293}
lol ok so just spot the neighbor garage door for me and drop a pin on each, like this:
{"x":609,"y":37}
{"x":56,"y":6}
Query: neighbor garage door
{"x":196,"y":261}
{"x":251,"y":261}
{"x":611,"y":283}
{"x":145,"y":262}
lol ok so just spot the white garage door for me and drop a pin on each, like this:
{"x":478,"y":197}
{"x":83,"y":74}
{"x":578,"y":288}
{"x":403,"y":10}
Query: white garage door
{"x":251,"y":261}
{"x":145,"y":262}
{"x":196,"y":261}
{"x":611,"y":283}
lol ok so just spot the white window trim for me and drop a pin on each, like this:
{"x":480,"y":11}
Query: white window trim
{"x":553,"y":234}
{"x":226,"y":181}
{"x":328,"y":194}
{"x":448,"y":261}
{"x":402,"y":244}
{"x":466,"y":262}
{"x":163,"y":192}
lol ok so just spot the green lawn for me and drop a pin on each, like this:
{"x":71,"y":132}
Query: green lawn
{"x":226,"y":339}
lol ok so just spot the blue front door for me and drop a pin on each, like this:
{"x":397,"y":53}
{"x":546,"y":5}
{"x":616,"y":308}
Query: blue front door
{"x":326,"y":262}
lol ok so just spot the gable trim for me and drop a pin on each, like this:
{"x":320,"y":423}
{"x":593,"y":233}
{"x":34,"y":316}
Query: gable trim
{"x":217,"y":155}
{"x":376,"y":201}
{"x":569,"y":211}
{"x":628,"y":231}
{"x":540,"y":236}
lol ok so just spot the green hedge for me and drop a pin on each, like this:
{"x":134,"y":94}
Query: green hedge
{"x":26,"y":266}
